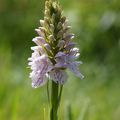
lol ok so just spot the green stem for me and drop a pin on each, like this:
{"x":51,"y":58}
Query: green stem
{"x":48,"y":94}
{"x":60,"y":94}
{"x":54,"y":101}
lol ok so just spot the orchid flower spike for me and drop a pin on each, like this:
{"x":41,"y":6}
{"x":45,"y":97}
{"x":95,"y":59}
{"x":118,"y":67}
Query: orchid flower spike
{"x":55,"y":51}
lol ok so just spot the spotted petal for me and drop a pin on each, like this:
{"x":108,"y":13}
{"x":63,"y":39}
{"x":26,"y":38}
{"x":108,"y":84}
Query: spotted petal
{"x":37,"y":80}
{"x":58,"y":76}
{"x":74,"y":67}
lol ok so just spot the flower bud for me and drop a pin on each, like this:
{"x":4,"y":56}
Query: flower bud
{"x":69,"y":36}
{"x":59,"y":26}
{"x":39,"y":32}
{"x":51,"y":27}
{"x":61,"y":43}
{"x":47,"y":46}
{"x":51,"y":37}
{"x":42,"y":22}
{"x":63,"y":19}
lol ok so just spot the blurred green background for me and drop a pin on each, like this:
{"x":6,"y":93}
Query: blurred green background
{"x":96,"y":24}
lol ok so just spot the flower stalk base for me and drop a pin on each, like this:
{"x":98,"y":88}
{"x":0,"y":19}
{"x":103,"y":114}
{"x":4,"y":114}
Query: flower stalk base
{"x":54,"y":101}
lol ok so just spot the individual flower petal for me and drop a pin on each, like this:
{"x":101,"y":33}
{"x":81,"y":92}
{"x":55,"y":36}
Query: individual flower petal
{"x":74,"y":67}
{"x":61,"y":43}
{"x":74,"y":53}
{"x":69,"y":36}
{"x":47,"y":46}
{"x":51,"y":37}
{"x":61,"y":57}
{"x":59,"y":26}
{"x":42,"y":29}
{"x":65,"y":24}
{"x":66,"y":29}
{"x":67,"y":61}
{"x":61,"y":65}
{"x":40,"y":33}
{"x":35,"y":55}
{"x":60,"y":34}
{"x":42,"y":22}
{"x":52,"y":27}
{"x":63,"y":19}
{"x":69,"y":45}
{"x":37,"y":80}
{"x":58,"y":76}
{"x":42,"y":64}
{"x":39,"y":41}
{"x":39,"y":49}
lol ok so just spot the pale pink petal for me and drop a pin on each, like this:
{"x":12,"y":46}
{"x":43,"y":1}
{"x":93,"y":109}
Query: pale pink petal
{"x":61,"y":43}
{"x":43,"y":64}
{"x":47,"y":46}
{"x":61,"y":65}
{"x":60,"y":54}
{"x":39,"y":41}
{"x":40,"y":32}
{"x":68,"y":36}
{"x":74,"y":53}
{"x":37,"y":80}
{"x":61,"y":58}
{"x":69,"y":45}
{"x":58,"y":76}
{"x":74,"y":67}
{"x":38,"y":49}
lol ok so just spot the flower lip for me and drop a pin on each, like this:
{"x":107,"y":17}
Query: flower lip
{"x":58,"y":76}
